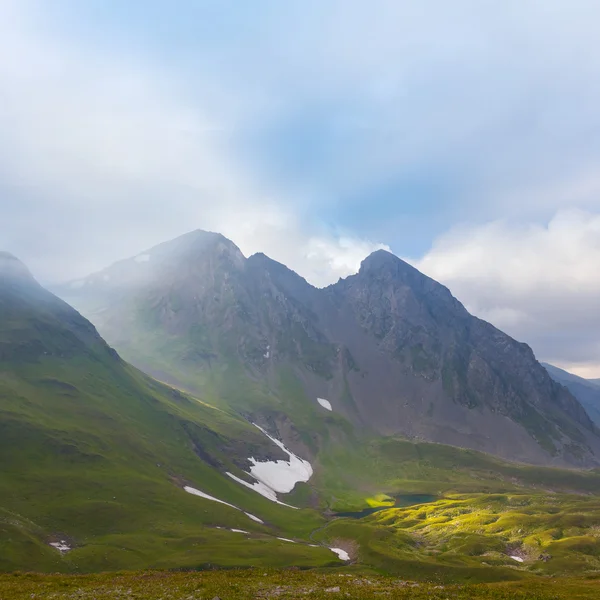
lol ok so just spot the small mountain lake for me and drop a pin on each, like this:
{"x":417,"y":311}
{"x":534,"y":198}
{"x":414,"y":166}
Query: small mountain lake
{"x":402,"y":500}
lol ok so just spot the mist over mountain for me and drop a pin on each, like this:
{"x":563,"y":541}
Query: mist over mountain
{"x":391,"y":350}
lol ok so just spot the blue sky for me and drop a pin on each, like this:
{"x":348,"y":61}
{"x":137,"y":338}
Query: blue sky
{"x":463,"y":136}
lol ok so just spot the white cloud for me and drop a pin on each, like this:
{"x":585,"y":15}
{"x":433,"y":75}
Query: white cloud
{"x":103,"y":155}
{"x":541,"y":284}
{"x":108,"y":150}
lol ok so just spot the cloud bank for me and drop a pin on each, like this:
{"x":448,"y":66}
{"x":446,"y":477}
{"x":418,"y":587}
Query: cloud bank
{"x":540,"y":283}
{"x":464,"y":134}
{"x":102,"y":156}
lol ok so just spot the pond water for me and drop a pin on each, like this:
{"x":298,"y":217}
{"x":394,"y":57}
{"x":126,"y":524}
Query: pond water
{"x":401,"y":501}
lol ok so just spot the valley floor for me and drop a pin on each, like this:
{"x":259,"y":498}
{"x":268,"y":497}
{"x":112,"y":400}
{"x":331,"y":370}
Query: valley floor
{"x":260,"y":583}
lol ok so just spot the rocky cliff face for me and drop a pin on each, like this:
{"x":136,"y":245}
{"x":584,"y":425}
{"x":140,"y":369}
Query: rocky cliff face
{"x":392,"y":350}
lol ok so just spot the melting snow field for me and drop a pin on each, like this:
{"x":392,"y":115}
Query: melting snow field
{"x":517,"y":558}
{"x":324,"y":403}
{"x":280,"y":476}
{"x":61,"y":546}
{"x":342,"y":554}
{"x":286,"y":540}
{"x":195,"y":492}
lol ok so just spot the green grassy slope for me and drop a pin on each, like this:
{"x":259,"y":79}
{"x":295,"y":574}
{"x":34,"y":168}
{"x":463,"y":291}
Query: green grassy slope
{"x":96,"y":453}
{"x":348,"y":476}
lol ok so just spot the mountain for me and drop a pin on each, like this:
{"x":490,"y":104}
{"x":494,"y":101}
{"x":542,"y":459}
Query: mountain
{"x":98,"y":459}
{"x":585,"y":390}
{"x":104,"y":468}
{"x":389,"y":350}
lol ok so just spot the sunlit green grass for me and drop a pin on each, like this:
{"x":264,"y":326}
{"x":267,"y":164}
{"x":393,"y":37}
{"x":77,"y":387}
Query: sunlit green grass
{"x":472,"y":537}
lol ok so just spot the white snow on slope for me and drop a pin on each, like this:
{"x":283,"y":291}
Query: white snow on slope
{"x":142,"y":258}
{"x":238,"y":531}
{"x":61,"y":546}
{"x":286,"y":540}
{"x":279,"y":476}
{"x":517,"y":558}
{"x":195,"y":492}
{"x":254,"y":518}
{"x":342,"y":554}
{"x":324,"y":403}
{"x":260,"y":488}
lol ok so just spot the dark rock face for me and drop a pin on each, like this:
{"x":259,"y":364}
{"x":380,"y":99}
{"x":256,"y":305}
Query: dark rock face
{"x":391,"y":349}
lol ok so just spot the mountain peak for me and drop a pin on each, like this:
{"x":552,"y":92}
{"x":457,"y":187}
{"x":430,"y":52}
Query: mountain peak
{"x":200,"y":241}
{"x":383,"y":260}
{"x":12,"y":269}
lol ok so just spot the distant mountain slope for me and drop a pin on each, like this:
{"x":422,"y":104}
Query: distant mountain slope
{"x":585,"y":390}
{"x":95,"y":456}
{"x":391,"y":350}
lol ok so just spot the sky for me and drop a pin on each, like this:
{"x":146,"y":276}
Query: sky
{"x":462,"y":136}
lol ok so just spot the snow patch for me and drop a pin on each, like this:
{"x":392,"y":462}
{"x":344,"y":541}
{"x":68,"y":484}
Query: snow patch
{"x":140,"y":258}
{"x":61,"y":546}
{"x":238,"y":531}
{"x":286,"y":540}
{"x":518,"y":559}
{"x":268,"y":352}
{"x":195,"y":492}
{"x":280,"y":476}
{"x":254,"y":518}
{"x":324,"y":403}
{"x":260,"y":488}
{"x":342,"y":554}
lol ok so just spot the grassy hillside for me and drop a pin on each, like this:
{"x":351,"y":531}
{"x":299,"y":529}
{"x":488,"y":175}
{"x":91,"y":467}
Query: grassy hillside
{"x":95,"y":453}
{"x":102,"y":457}
{"x":102,"y":460}
{"x":349,"y":476}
